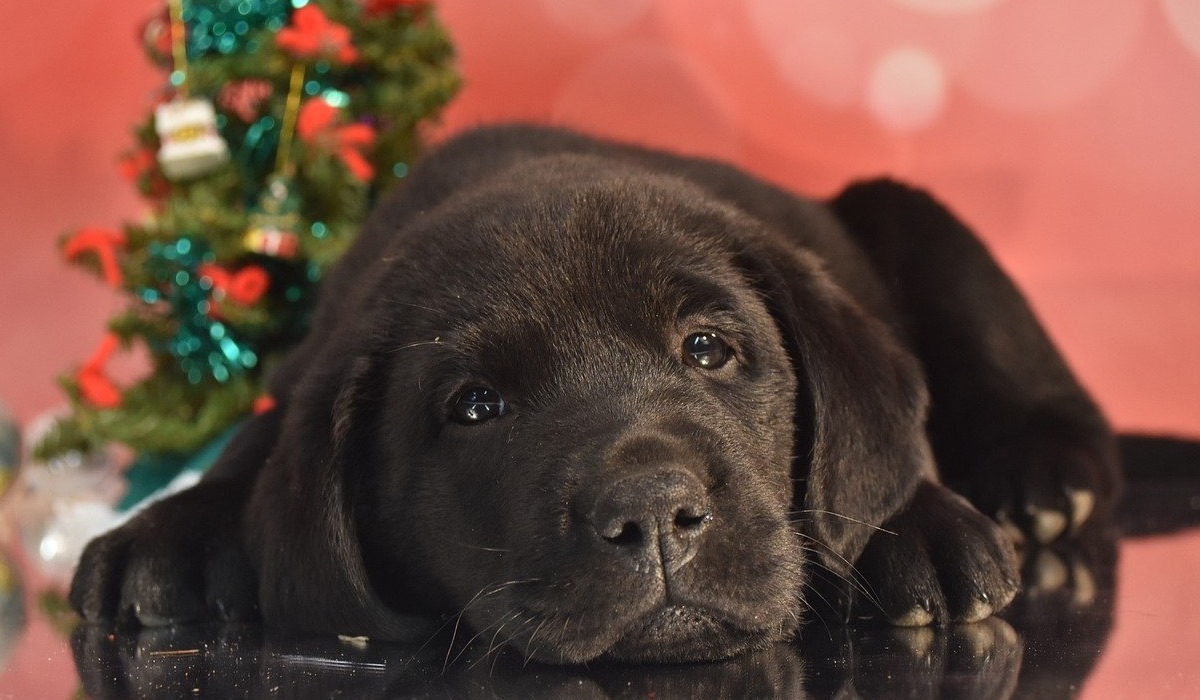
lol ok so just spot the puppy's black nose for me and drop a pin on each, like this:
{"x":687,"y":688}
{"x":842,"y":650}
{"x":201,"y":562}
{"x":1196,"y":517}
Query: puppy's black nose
{"x":654,"y":519}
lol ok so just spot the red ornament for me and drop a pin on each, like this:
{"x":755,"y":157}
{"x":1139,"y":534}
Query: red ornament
{"x":316,"y":125}
{"x":104,"y":243}
{"x":244,"y":98}
{"x":94,"y":385}
{"x":277,"y":244}
{"x":155,"y":34}
{"x":265,"y":403}
{"x":248,"y":285}
{"x":134,"y":164}
{"x":312,"y":36}
{"x":244,"y":287}
{"x":375,"y":8}
{"x":140,"y":167}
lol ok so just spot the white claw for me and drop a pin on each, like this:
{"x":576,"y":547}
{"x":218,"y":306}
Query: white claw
{"x":1047,"y":524}
{"x":1084,"y":593}
{"x":916,"y":617}
{"x":978,"y":611}
{"x":1082,"y":504}
{"x":1050,"y":572}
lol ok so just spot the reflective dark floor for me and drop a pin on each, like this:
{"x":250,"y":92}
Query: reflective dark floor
{"x":1106,"y":617}
{"x":1046,"y":645}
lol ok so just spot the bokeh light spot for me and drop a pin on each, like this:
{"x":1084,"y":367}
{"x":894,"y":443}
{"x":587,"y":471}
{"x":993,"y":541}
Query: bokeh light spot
{"x":906,"y":90}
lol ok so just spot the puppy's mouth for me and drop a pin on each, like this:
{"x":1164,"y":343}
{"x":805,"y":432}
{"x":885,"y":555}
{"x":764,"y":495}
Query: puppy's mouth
{"x":679,"y":633}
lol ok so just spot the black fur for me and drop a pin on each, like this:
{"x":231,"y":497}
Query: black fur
{"x":566,"y":272}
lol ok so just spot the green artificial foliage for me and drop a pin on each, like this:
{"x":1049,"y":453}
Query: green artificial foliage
{"x":209,"y":347}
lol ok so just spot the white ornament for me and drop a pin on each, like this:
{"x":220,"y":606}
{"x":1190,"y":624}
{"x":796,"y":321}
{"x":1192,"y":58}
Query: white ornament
{"x":191,"y":146}
{"x":61,"y":504}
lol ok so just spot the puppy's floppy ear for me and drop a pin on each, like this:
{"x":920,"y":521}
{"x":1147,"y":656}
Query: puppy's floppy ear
{"x":861,"y":447}
{"x":302,"y":530}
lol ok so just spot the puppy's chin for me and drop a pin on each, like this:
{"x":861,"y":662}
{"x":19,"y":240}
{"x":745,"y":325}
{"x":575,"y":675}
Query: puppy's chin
{"x":680,"y":634}
{"x":666,"y":634}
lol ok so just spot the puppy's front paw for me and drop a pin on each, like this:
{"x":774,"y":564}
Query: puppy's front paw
{"x":1044,"y":489}
{"x":938,"y":561}
{"x":178,"y":561}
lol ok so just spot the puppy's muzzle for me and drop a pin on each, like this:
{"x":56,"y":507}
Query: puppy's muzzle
{"x":653,"y":520}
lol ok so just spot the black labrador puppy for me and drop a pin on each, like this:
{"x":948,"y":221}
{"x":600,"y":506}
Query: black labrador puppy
{"x":598,"y":401}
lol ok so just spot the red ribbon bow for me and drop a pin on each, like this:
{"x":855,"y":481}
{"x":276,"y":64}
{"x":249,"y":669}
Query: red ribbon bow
{"x":316,"y":125}
{"x":104,"y":243}
{"x":244,"y":287}
{"x":94,"y":385}
{"x":312,"y":35}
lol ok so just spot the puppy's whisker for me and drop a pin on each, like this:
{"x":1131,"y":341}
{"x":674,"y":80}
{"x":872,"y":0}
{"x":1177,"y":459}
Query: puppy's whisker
{"x":475,"y":546}
{"x":499,"y":624}
{"x":520,"y":628}
{"x":465,"y":646}
{"x":529,"y":644}
{"x":839,"y":515}
{"x":853,"y":574}
{"x":492,"y":645}
{"x":453,"y":637}
{"x":861,"y":586}
{"x":829,"y":605}
{"x":417,"y":344}
{"x":457,"y":618}
{"x":397,"y":302}
{"x":854,"y":577}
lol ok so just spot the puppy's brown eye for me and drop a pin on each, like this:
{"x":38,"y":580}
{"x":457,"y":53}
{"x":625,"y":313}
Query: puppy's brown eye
{"x":705,"y":350}
{"x":476,"y":404}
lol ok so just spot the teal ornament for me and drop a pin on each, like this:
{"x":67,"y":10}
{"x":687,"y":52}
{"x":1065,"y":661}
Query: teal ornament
{"x":10,"y":450}
{"x":258,"y":142}
{"x":232,"y":26}
{"x":205,"y":347}
{"x":12,"y":607}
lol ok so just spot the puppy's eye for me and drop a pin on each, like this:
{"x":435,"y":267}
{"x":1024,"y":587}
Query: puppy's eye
{"x":477,"y":404}
{"x":705,"y":350}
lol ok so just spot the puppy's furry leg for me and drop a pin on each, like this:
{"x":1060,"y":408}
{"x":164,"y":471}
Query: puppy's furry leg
{"x":1010,"y":426}
{"x":182,"y":558}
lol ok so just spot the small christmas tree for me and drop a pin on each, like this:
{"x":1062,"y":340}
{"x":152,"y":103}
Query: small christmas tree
{"x":279,"y":122}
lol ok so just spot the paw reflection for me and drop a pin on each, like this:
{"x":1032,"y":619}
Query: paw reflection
{"x":980,"y":659}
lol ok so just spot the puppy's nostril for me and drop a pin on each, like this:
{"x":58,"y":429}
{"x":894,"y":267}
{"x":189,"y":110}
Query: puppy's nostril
{"x":629,"y":535}
{"x":687,"y":520}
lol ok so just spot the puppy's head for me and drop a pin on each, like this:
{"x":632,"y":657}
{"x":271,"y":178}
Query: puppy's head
{"x":570,"y":418}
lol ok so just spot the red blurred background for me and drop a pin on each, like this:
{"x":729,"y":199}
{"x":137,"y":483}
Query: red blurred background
{"x":1067,"y":132}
